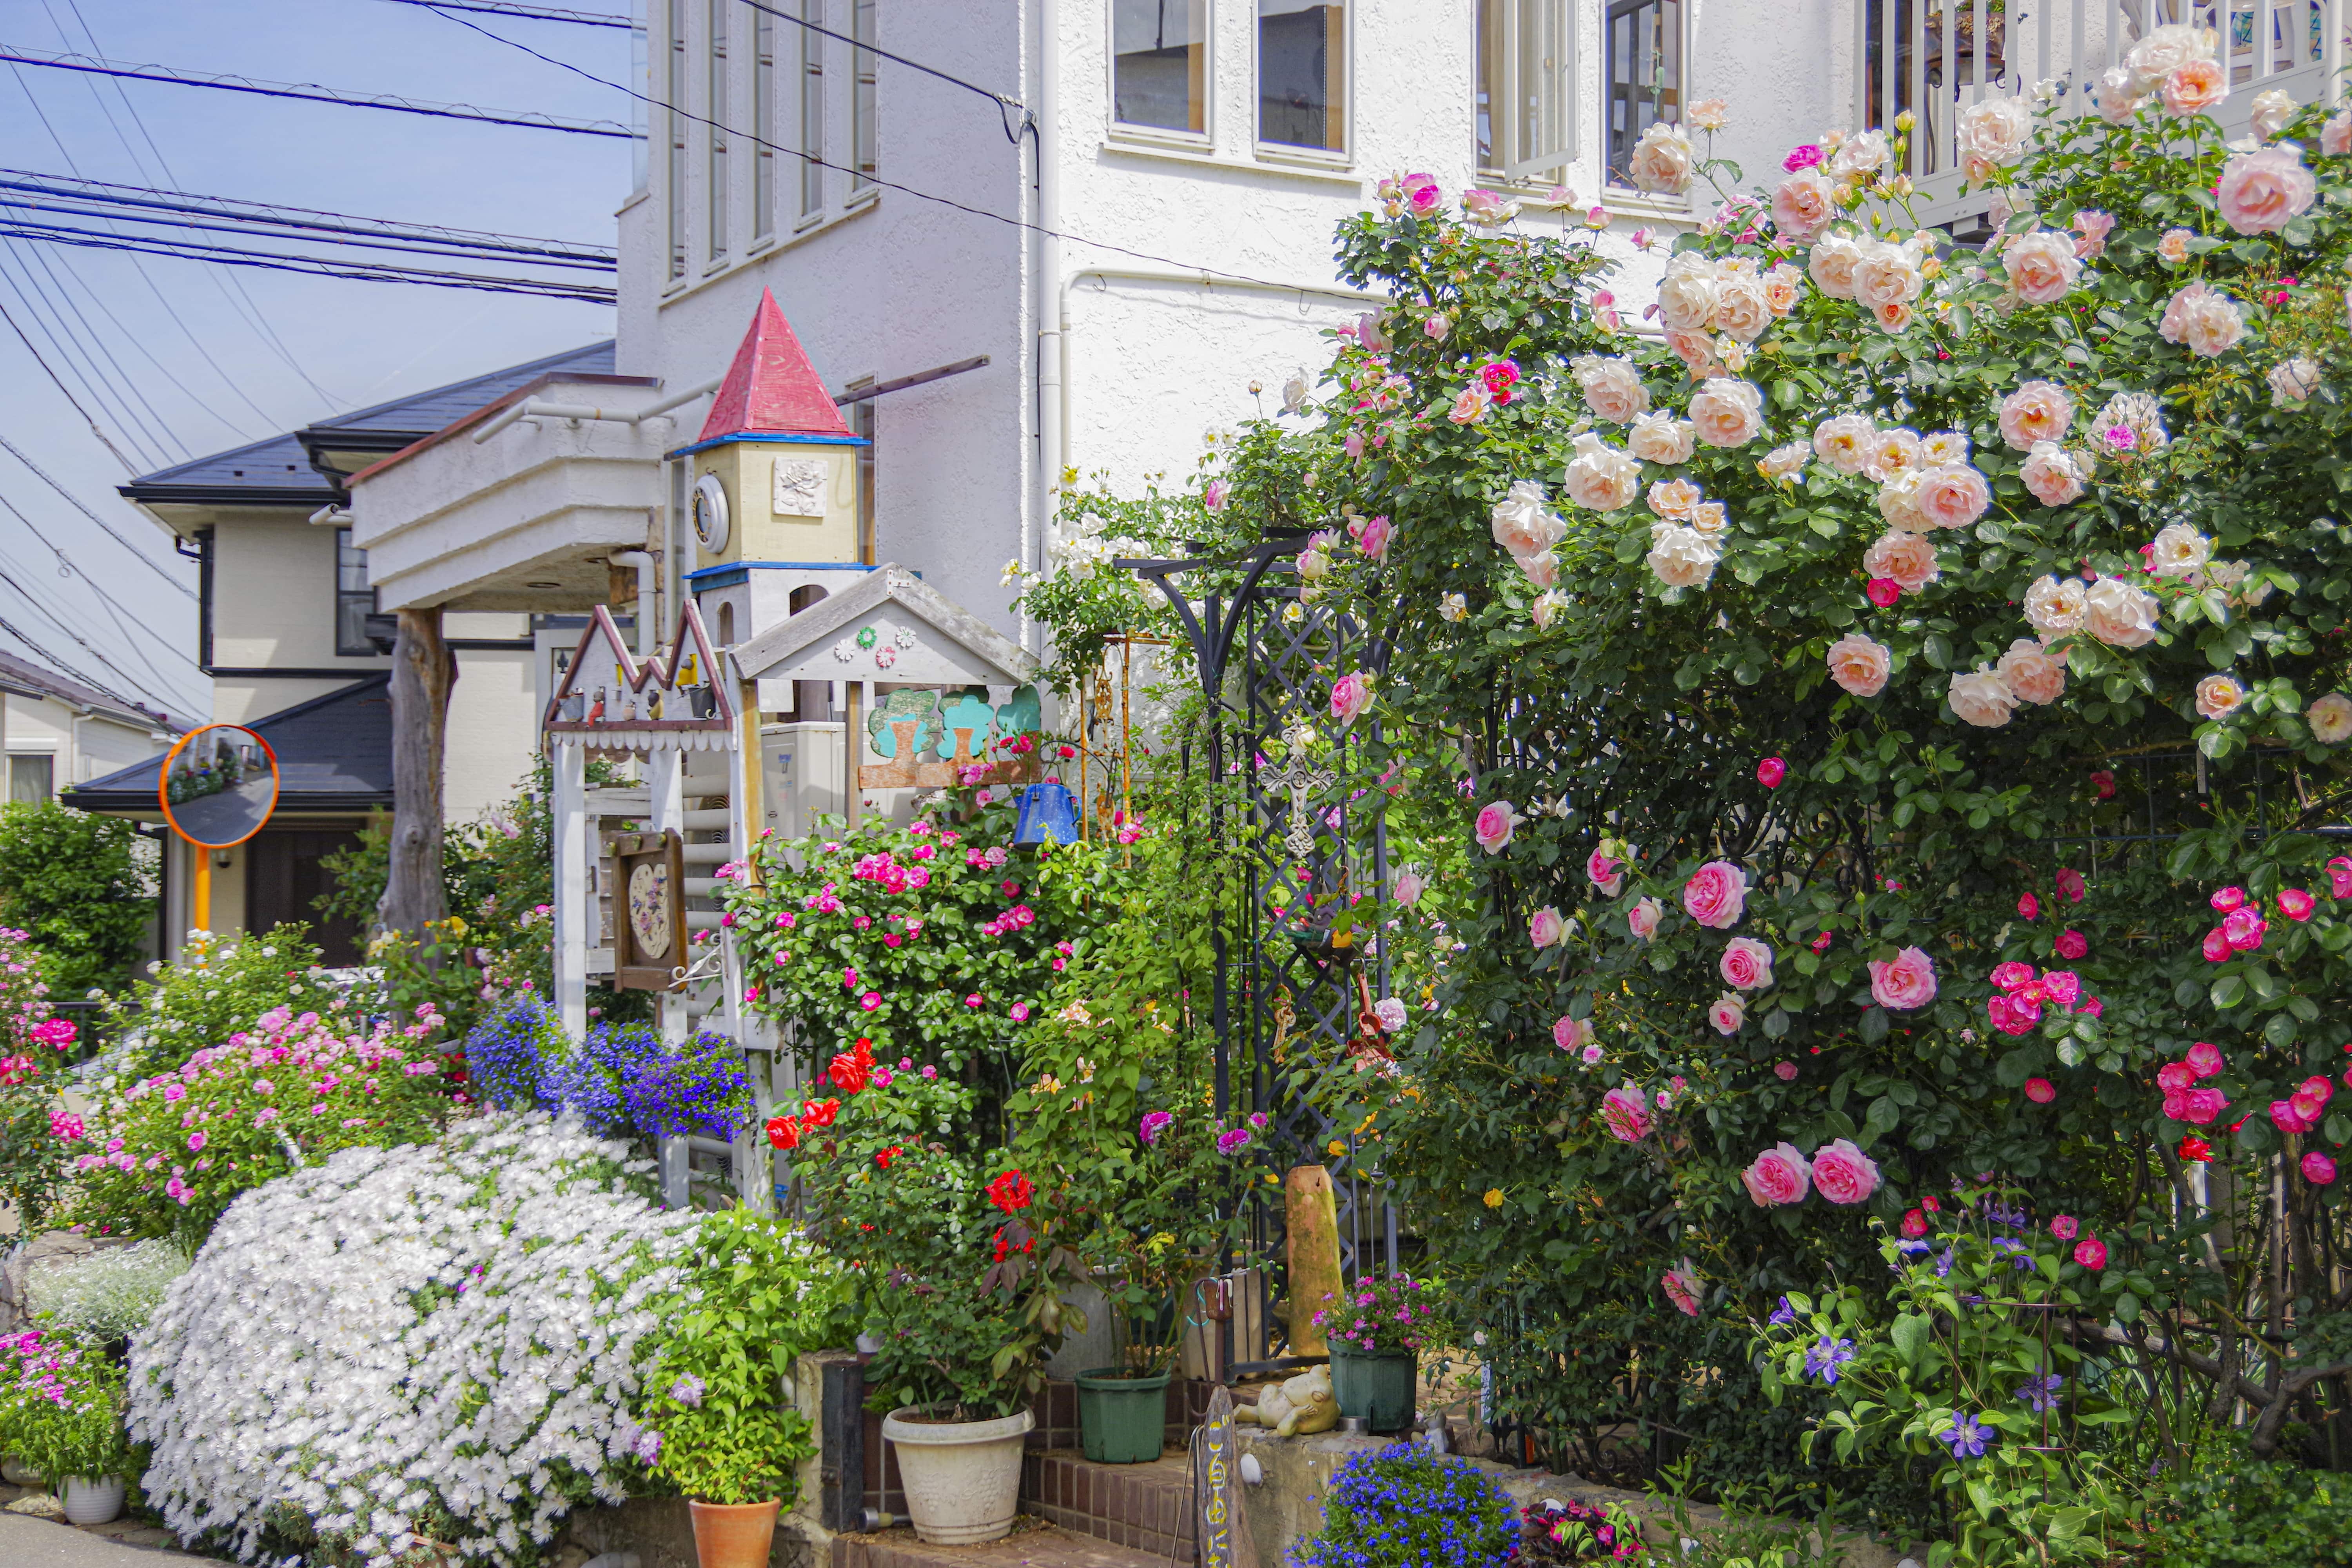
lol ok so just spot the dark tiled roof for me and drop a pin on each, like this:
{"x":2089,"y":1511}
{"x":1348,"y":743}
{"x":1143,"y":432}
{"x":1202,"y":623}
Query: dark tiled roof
{"x":279,"y":464}
{"x":427,"y":412}
{"x":22,"y":672}
{"x":333,"y":752}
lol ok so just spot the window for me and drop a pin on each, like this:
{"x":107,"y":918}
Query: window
{"x":354,"y":600}
{"x":717,"y":114}
{"x":861,"y":126}
{"x":863,"y":422}
{"x":32,"y":779}
{"x":1527,"y":87}
{"x":676,"y":98}
{"x":763,"y":124}
{"x":1302,"y":74}
{"x":812,"y":110}
{"x":1643,"y":74}
{"x":1160,"y":63}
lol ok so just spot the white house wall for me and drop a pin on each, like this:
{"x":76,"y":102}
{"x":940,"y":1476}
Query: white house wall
{"x":493,"y":732}
{"x":274,"y":595}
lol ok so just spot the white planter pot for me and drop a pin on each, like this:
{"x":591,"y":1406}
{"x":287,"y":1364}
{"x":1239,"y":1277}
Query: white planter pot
{"x":93,"y":1501}
{"x":962,"y":1478}
{"x":17,"y":1473}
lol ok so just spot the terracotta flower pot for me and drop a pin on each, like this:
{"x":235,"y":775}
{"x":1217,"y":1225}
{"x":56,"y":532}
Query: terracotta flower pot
{"x":733,"y":1534}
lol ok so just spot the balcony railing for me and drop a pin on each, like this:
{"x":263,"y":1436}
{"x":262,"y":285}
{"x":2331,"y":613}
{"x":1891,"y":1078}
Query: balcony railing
{"x":1936,"y":58}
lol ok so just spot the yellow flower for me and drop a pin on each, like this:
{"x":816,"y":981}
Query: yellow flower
{"x":1494,"y":1197}
{"x":1335,"y":1148}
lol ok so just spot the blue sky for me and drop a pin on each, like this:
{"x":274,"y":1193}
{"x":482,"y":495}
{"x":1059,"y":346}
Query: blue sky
{"x":360,"y":342}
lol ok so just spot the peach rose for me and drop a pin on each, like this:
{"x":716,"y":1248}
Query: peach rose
{"x":1784,"y":463}
{"x":2032,"y":674}
{"x":1542,"y":571}
{"x":2054,"y":477}
{"x":2119,"y":614}
{"x":1904,"y":983}
{"x":2173,"y":246}
{"x":1952,"y":496}
{"x":2219,"y":696}
{"x":1471,"y":406}
{"x":1982,"y":699}
{"x":2331,"y":718}
{"x":1686,"y":293}
{"x":1908,"y":558}
{"x":1898,"y":501}
{"x":1842,"y":1173}
{"x":2261,"y":192}
{"x":1710,"y":517}
{"x":1521,"y":524}
{"x":1710,"y":113}
{"x":2054,"y":606}
{"x":1886,"y":274}
{"x":1681,"y":557}
{"x":1662,"y":160}
{"x":2294,"y":380}
{"x":1782,"y":286}
{"x":1944,"y":447}
{"x":1864,"y":153}
{"x":2178,"y":551}
{"x":1741,"y":308}
{"x":1893,"y":451}
{"x":1660,"y":438}
{"x":1728,"y":413}
{"x":2091,"y":231}
{"x":1995,"y":129}
{"x":1695,"y":349}
{"x":1859,"y":665}
{"x":1891,"y":318}
{"x":2270,"y":113}
{"x":1831,"y":265}
{"x":1802,"y":205}
{"x":1612,"y":387}
{"x":2335,"y":136}
{"x":2202,"y":322}
{"x":2194,"y":89}
{"x":1600,"y":477}
{"x":2041,"y":265}
{"x":2164,"y":50}
{"x":2037,"y":411}
{"x":1546,"y":607}
{"x":1777,"y":1177}
{"x":1716,"y":895}
{"x":1676,"y":499}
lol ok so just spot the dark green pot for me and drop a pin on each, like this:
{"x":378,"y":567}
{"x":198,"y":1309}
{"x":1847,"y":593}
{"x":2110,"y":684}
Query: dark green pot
{"x":1375,"y":1389}
{"x":1122,"y":1420}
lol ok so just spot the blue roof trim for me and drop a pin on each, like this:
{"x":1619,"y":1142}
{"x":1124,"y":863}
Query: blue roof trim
{"x":792,"y":440}
{"x":735,"y":572}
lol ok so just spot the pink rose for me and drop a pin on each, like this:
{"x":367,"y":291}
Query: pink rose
{"x":1904,"y":983}
{"x":1372,"y":536}
{"x":1747,"y":964}
{"x":2091,"y":1253}
{"x":1951,"y":495}
{"x":1571,"y":1034}
{"x":2295,"y":904}
{"x":1682,"y":1287}
{"x":1776,"y":1177}
{"x":1804,"y":202}
{"x":1409,"y":886}
{"x":1844,"y":1174}
{"x":1642,"y":918}
{"x":2225,"y":900}
{"x":1728,"y":1013}
{"x":2040,"y":1091}
{"x":2216,"y":946}
{"x":2014,"y":1015}
{"x":2201,"y":1105}
{"x":2339,"y":878}
{"x":2063,"y":1228}
{"x":2318,"y":1169}
{"x":1915,"y":1225}
{"x":1497,"y":823}
{"x":2289,"y":1117}
{"x":1858,"y":665}
{"x":2012,"y":976}
{"x":2028,"y":906}
{"x":2093,"y":228}
{"x":2062,"y":986}
{"x":2194,"y":86}
{"x":2070,"y":885}
{"x":1350,"y":695}
{"x":1547,"y":929}
{"x":2243,"y":928}
{"x":1882,"y":592}
{"x":1716,"y":895}
{"x":2073,"y":945}
{"x":2203,"y":1059}
{"x":1771,"y":771}
{"x":1785,"y":1072}
{"x":1624,"y":1114}
{"x":1605,"y":871}
{"x":2175,"y":1077}
{"x":2053,"y":476}
{"x":1421,"y":194}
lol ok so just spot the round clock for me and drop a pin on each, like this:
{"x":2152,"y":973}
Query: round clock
{"x":710,"y":513}
{"x":649,"y":895}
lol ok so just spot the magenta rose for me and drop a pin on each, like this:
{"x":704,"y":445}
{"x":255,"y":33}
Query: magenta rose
{"x":2014,"y":1015}
{"x":2201,"y":1105}
{"x":2012,"y":976}
{"x":2228,"y":899}
{"x":1843,"y":1173}
{"x":2063,"y":1228}
{"x":2295,"y":904}
{"x":1904,"y":983}
{"x":2040,"y":1091}
{"x":1716,"y":895}
{"x":1622,"y":1112}
{"x":1682,"y":1285}
{"x":2073,"y":945}
{"x":2339,"y":878}
{"x":2243,"y":928}
{"x":1771,"y":771}
{"x":1350,"y":695}
{"x":2204,"y":1060}
{"x":2318,"y":1169}
{"x":1778,"y":1176}
{"x":2070,"y":886}
{"x":2028,"y":906}
{"x":2062,"y":986}
{"x":1605,"y":871}
{"x":2175,"y":1077}
{"x":2289,"y":1117}
{"x":2091,"y":1253}
{"x":2216,"y":946}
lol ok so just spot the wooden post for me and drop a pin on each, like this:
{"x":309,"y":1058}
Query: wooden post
{"x":1313,"y":1222}
{"x":423,"y":670}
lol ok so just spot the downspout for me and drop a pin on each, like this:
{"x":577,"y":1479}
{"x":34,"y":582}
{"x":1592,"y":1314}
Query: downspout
{"x":1052,"y":398}
{"x":647,"y":566}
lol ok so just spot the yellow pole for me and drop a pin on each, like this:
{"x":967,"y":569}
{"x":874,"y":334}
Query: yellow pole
{"x":200,"y":888}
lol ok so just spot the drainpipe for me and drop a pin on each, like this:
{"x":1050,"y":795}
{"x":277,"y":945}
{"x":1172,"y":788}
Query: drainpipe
{"x":647,"y":566}
{"x":1052,"y":398}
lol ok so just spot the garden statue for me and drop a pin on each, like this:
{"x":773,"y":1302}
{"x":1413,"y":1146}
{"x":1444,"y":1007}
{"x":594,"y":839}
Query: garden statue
{"x":1298,"y":1408}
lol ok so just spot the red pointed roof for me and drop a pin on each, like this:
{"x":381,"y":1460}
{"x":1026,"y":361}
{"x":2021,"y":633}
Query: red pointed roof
{"x":771,"y":389}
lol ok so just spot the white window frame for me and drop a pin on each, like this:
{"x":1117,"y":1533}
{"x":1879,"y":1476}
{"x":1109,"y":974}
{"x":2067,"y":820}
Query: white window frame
{"x":766,"y":62}
{"x":808,"y":108}
{"x":677,"y":241}
{"x":1562,"y":18}
{"x":1289,"y":152}
{"x":1622,"y":195}
{"x":717,"y":65}
{"x":1199,"y":141}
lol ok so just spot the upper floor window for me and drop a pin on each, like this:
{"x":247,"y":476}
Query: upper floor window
{"x":1160,"y":63}
{"x":865,"y":157}
{"x":716,"y":113}
{"x":763,"y":124}
{"x":1643,"y":75}
{"x":1527,"y":87}
{"x":1302,"y":74}
{"x":811,"y":108}
{"x":354,"y":600}
{"x":674,"y":131}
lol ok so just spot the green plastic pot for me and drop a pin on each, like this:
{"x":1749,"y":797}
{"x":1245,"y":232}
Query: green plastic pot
{"x":1122,"y":1420}
{"x":1376,"y":1389}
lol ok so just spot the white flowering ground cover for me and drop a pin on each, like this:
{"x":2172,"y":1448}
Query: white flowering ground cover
{"x":401,"y":1346}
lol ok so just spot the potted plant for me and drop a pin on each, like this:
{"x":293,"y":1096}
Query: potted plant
{"x":755,"y":1295}
{"x":1376,"y":1330}
{"x":959,"y":1281}
{"x":62,"y":1413}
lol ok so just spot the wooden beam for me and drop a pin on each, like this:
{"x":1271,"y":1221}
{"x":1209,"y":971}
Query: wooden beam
{"x":423,"y":670}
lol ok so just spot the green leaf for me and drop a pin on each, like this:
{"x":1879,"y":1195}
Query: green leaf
{"x":2229,"y":990}
{"x":1910,"y":1334}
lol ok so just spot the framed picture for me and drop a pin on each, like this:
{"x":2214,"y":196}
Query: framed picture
{"x":649,"y":943}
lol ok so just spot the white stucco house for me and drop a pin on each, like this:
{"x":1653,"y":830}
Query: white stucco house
{"x":59,"y":733}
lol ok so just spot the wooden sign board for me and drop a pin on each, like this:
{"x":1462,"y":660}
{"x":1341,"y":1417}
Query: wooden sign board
{"x":649,"y":937}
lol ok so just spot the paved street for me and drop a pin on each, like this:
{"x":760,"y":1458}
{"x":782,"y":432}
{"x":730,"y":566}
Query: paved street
{"x":41,"y":1543}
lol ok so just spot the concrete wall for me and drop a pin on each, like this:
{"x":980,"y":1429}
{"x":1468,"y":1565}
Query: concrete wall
{"x":274,"y":595}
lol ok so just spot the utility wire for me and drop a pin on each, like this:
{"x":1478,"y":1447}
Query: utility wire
{"x":317,"y":267}
{"x":128,"y":467}
{"x":68,"y":567}
{"x":41,"y":308}
{"x":312,"y":92}
{"x":128,"y":389}
{"x":151,"y":693}
{"x":75,"y":501}
{"x":1004,"y":105}
{"x":66,"y":667}
{"x":870,"y":178}
{"x":358,"y":239}
{"x":531,"y":13}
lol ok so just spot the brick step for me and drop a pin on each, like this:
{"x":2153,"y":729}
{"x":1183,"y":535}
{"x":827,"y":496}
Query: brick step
{"x":1147,"y":1506}
{"x":1026,"y":1547}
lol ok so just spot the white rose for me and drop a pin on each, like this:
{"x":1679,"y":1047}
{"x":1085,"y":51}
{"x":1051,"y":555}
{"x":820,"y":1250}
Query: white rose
{"x":1995,"y":129}
{"x":1831,"y":265}
{"x":2219,"y":696}
{"x":2203,"y":321}
{"x":2164,"y":50}
{"x":1600,"y":477}
{"x":1865,"y":153}
{"x":1542,"y":571}
{"x":2294,"y":380}
{"x":1660,"y":438}
{"x":1682,"y":557}
{"x":1728,"y":413}
{"x":2120,"y":615}
{"x":1742,"y":308}
{"x":1547,"y":605}
{"x":2031,"y":673}
{"x":1943,"y":446}
{"x":2271,"y":113}
{"x":2054,"y":606}
{"x":1687,"y":292}
{"x":1662,"y":159}
{"x":2331,"y":718}
{"x":1898,"y":501}
{"x":1781,"y":462}
{"x":1612,"y":387}
{"x":1521,"y":524}
{"x":2117,"y":101}
{"x":1847,"y":442}
{"x":1982,"y":699}
{"x":2180,"y":549}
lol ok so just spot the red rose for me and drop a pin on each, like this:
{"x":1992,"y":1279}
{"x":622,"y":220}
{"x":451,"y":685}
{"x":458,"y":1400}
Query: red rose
{"x":1012,"y":1192}
{"x":783,"y":1133}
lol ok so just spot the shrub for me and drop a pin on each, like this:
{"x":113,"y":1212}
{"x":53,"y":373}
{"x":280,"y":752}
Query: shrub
{"x":108,"y":1295}
{"x":166,"y":1155}
{"x":2233,"y":1510}
{"x":61,"y":1406}
{"x":439,"y":1342}
{"x":74,"y":882}
{"x":1405,"y":1506}
{"x":216,"y":987}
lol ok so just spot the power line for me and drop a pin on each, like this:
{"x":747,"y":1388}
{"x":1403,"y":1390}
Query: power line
{"x":93,"y":344}
{"x":164,"y":217}
{"x":1004,"y":105}
{"x":75,"y":501}
{"x":68,"y":567}
{"x":128,"y":467}
{"x":86,"y":646}
{"x":312,"y":92}
{"x":41,"y":309}
{"x":66,"y":667}
{"x":317,"y":267}
{"x":531,"y":13}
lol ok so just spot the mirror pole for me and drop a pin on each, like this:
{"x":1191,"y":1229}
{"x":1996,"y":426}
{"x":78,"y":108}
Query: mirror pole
{"x":200,"y":886}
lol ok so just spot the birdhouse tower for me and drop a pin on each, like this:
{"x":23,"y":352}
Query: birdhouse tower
{"x":772,"y":484}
